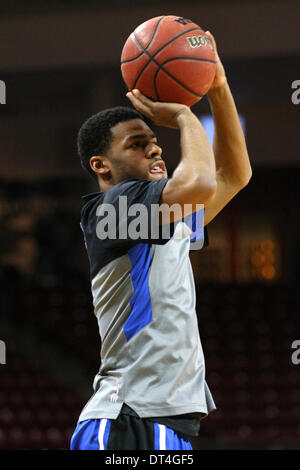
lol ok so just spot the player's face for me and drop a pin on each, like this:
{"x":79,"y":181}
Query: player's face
{"x":134,"y":152}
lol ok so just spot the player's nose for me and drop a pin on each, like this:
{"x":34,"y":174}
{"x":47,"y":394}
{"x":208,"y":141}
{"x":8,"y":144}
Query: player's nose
{"x":153,"y":150}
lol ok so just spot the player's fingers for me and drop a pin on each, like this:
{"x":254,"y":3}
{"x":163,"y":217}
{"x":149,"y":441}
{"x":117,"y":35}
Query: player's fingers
{"x":146,"y":101}
{"x":142,"y":97}
{"x":138,"y":104}
{"x":208,"y":33}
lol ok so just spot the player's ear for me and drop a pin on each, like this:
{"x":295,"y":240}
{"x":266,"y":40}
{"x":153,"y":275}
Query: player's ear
{"x":100,"y":165}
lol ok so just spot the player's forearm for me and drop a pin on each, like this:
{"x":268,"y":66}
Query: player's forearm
{"x":230,"y":150}
{"x":197,"y":158}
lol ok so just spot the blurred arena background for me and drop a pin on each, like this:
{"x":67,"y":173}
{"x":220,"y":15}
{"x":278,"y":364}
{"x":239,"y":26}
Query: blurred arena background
{"x":60,"y":64}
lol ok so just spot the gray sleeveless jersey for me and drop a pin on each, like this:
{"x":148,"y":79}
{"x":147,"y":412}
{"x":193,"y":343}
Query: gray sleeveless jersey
{"x":144,"y":300}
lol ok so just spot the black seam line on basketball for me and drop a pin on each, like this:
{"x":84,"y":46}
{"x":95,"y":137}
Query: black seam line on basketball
{"x":176,"y":80}
{"x":154,"y":34}
{"x":134,"y":58}
{"x":159,"y":50}
{"x":188,"y":58}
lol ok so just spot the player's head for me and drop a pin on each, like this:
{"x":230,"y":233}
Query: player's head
{"x":117,"y":144}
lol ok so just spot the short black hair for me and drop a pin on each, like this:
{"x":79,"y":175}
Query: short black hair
{"x":94,"y":136}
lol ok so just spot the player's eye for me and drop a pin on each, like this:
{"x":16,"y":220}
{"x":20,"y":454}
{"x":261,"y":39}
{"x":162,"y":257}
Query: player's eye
{"x":138,"y":144}
{"x":141,"y":144}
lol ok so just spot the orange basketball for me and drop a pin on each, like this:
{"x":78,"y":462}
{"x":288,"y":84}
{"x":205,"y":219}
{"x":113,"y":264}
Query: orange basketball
{"x":169,"y":58}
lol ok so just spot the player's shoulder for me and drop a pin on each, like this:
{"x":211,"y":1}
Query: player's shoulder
{"x":134,"y":184}
{"x":91,"y":201}
{"x":130,"y":187}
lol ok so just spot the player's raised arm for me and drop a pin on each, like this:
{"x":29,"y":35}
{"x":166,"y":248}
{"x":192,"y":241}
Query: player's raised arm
{"x":194,"y":179}
{"x":233,"y":169}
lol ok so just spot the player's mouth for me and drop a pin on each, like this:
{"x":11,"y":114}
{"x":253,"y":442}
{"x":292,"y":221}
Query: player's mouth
{"x":158,"y":167}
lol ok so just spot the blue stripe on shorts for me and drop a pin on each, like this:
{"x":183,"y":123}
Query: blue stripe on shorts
{"x":167,"y":439}
{"x":91,"y":434}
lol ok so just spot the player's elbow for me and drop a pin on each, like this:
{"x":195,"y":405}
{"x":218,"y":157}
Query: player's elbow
{"x":248,"y":178}
{"x":243,"y":182}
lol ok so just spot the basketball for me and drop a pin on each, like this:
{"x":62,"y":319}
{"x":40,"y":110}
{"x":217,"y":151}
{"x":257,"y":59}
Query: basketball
{"x":169,"y":58}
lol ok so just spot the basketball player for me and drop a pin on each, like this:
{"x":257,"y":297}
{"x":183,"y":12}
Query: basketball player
{"x":150,"y":392}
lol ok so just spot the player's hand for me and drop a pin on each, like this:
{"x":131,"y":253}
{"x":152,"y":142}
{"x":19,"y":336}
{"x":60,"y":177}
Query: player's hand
{"x":220,"y":77}
{"x":162,"y":114}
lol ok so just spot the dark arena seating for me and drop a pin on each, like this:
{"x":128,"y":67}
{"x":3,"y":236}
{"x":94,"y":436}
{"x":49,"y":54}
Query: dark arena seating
{"x":247,"y":332}
{"x":36,"y":411}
